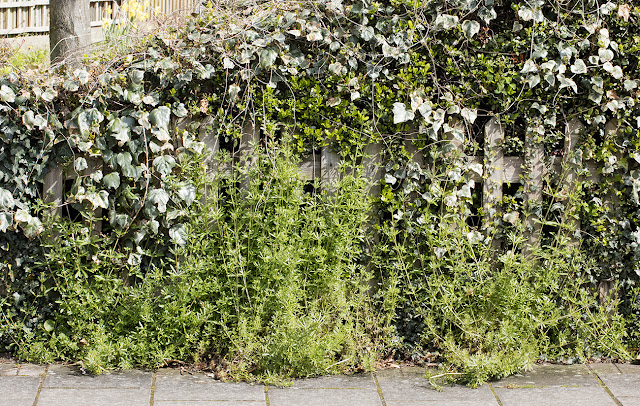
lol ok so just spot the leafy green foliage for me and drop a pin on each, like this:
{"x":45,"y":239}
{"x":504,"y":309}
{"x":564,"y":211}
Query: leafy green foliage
{"x":310,"y":75}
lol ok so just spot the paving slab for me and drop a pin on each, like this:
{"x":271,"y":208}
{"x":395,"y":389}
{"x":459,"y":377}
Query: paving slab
{"x":172,"y":388}
{"x":605,"y":368}
{"x":551,"y":375}
{"x":94,"y":397}
{"x":408,"y":386}
{"x":31,"y":370}
{"x":339,"y":390}
{"x":625,"y":387}
{"x":549,"y":385}
{"x":62,"y":376}
{"x":629,"y":368}
{"x":7,"y":369}
{"x":18,"y":390}
{"x":555,"y":396}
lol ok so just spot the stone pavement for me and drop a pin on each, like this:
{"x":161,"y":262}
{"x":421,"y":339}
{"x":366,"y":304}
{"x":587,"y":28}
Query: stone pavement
{"x":57,"y":385}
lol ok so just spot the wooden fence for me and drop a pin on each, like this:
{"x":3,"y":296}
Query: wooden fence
{"x":19,"y":17}
{"x":529,"y":170}
{"x":497,"y":169}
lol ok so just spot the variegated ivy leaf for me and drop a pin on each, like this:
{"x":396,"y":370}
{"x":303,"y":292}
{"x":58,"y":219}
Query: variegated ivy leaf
{"x":159,"y":198}
{"x":6,"y":199}
{"x":367,"y":33}
{"x":487,"y":14}
{"x":164,"y":165}
{"x":178,"y":234}
{"x":337,"y":69}
{"x":579,"y":67}
{"x":49,"y":94}
{"x":469,"y":114}
{"x":605,"y":55}
{"x":630,"y":85}
{"x":233,"y":91}
{"x":7,"y":94}
{"x":6,"y":221}
{"x":314,"y":35}
{"x":477,"y":168}
{"x":187,"y":192}
{"x":566,"y":82}
{"x":470,"y":28}
{"x":533,"y":81}
{"x":529,"y":67}
{"x":82,"y":76}
{"x":227,"y":63}
{"x":111,"y":180}
{"x":401,"y":114}
{"x":446,"y":21}
{"x":603,"y":38}
{"x":525,"y":13}
{"x":80,"y":164}
{"x":615,"y":71}
{"x":160,"y":117}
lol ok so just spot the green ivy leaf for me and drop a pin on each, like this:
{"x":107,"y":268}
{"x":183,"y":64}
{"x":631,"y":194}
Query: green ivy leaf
{"x":178,"y":234}
{"x":159,"y":198}
{"x":160,"y":117}
{"x":187,"y":192}
{"x":268,"y":57}
{"x":111,"y":180}
{"x":164,"y":165}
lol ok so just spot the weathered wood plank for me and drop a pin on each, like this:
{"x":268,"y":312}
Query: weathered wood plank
{"x":310,"y":168}
{"x":512,"y":169}
{"x":571,"y":165}
{"x":493,"y":170}
{"x":53,"y":189}
{"x":329,"y":175}
{"x":533,"y":184}
{"x":246,"y":149}
{"x":372,"y":164}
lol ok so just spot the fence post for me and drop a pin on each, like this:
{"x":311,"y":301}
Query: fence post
{"x":534,"y":165}
{"x":493,"y":165}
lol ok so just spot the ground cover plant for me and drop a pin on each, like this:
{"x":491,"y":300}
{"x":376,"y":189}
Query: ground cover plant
{"x":256,"y":273}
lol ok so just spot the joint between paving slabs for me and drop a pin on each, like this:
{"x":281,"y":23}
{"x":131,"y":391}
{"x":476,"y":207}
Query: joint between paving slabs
{"x":601,"y":382}
{"x":266,"y":395}
{"x":375,"y":379}
{"x":495,"y":395}
{"x":43,"y":376}
{"x":153,"y":388}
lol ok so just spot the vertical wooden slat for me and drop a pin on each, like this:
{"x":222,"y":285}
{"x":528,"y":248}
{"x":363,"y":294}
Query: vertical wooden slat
{"x":493,"y":165}
{"x":246,"y":150}
{"x":534,"y":163}
{"x":53,"y":189}
{"x":329,"y":175}
{"x":211,"y":141}
{"x":372,"y":163}
{"x":571,"y":166}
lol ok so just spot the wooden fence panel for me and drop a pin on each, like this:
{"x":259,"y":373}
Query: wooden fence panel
{"x":18,"y":17}
{"x":498,"y":169}
{"x":493,"y":170}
